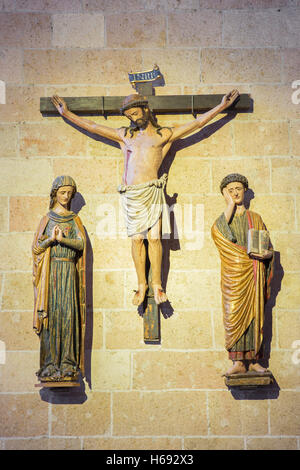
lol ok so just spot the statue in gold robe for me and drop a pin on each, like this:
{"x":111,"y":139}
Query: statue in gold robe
{"x":245,"y":278}
{"x":59,"y":287}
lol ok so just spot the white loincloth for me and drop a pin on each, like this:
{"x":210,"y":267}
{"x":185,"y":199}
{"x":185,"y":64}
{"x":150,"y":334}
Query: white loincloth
{"x":143,"y":204}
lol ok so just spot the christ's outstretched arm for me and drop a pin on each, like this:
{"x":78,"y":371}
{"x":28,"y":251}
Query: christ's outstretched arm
{"x":188,"y":128}
{"x":88,"y":125}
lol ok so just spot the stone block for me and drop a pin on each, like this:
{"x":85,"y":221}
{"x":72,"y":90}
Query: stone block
{"x":25,"y":30}
{"x":92,"y":175}
{"x":51,"y":139}
{"x":201,"y":292}
{"x":108,"y":289}
{"x":218,"y":326}
{"x":111,"y":370}
{"x":7,"y":5}
{"x":112,"y":253}
{"x":273,"y":102}
{"x":18,"y":372}
{"x":25,"y":212}
{"x":152,"y":413}
{"x":12,"y":243}
{"x":109,"y":7}
{"x":289,"y":296}
{"x":52,"y":66}
{"x":285,"y":414}
{"x":261,"y":138}
{"x":95,"y":331}
{"x":289,"y":249}
{"x":98,"y":146}
{"x":241,"y":4}
{"x":131,"y":443}
{"x":236,"y":417}
{"x":176,"y":62}
{"x":12,"y":323}
{"x":124,"y":330}
{"x":9,"y":141}
{"x":78,"y":30}
{"x":290,"y":66}
{"x":288,"y":326}
{"x":25,"y":176}
{"x":22,"y":104}
{"x":101,"y":214}
{"x":256,"y":170}
{"x":295,"y":134}
{"x":213,"y":140}
{"x":272,"y":443}
{"x":195,"y":28}
{"x":260,"y":28}
{"x":48,"y":5}
{"x":94,"y":419}
{"x":284,"y":367}
{"x":213,"y":206}
{"x":213,"y":443}
{"x":270,"y":206}
{"x":23,"y":415}
{"x":11,"y":66}
{"x":187,"y":330}
{"x":4,"y":214}
{"x":285,"y":175}
{"x":144,"y":30}
{"x":240,"y":65}
{"x":130,"y":283}
{"x":44,"y":443}
{"x":175,"y":370}
{"x":76,"y":91}
{"x":297,"y":199}
{"x":17,"y":292}
{"x":189,"y":175}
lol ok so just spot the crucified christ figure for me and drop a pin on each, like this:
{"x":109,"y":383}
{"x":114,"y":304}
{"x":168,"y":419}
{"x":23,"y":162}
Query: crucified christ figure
{"x":144,"y":145}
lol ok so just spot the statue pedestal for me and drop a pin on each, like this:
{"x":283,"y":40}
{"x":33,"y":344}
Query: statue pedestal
{"x":61,"y":384}
{"x":249,"y":379}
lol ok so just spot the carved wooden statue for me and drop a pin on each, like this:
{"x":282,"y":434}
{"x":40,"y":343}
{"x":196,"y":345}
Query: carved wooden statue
{"x":59,"y":287}
{"x":245,"y":277}
{"x":144,"y":145}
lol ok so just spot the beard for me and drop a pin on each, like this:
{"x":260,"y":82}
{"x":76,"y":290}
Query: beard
{"x":142,"y":122}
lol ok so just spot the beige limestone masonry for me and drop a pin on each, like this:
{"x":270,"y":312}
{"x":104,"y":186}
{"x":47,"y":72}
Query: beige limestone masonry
{"x":136,"y":395}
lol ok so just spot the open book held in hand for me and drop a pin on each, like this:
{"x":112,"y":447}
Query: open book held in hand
{"x":258,"y":241}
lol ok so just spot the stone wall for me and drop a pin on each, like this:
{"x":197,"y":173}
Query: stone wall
{"x":172,"y":395}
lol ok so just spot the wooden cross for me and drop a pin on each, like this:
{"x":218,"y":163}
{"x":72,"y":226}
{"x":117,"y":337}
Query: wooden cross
{"x":167,"y":104}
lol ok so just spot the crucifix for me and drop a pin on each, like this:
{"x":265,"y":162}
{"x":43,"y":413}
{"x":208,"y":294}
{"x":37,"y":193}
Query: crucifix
{"x":145,"y":144}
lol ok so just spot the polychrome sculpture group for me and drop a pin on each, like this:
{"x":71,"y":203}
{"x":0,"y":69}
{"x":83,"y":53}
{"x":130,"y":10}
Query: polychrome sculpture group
{"x":59,"y":245}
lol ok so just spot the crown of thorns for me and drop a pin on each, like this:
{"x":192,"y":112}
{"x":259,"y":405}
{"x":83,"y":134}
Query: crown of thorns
{"x":232,"y":178}
{"x":133,"y":101}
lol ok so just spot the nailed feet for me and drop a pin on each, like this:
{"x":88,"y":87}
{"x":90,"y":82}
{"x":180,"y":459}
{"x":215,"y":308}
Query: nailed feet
{"x":159,"y":294}
{"x":139,"y":295}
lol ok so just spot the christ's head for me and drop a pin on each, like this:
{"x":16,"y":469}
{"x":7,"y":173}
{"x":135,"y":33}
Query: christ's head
{"x":135,"y":107}
{"x":139,"y":116}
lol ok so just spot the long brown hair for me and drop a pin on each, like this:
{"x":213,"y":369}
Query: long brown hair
{"x":153,"y":120}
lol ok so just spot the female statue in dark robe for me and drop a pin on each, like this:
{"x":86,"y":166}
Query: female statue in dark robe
{"x":59,"y":287}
